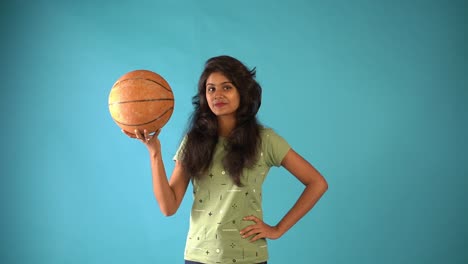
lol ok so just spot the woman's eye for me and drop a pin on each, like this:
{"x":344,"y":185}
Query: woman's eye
{"x":227,"y":87}
{"x":210,"y":89}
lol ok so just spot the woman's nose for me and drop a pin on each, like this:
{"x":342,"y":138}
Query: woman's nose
{"x":218,"y":94}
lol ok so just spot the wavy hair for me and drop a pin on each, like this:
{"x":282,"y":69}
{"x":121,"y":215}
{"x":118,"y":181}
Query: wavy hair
{"x":202,"y":133}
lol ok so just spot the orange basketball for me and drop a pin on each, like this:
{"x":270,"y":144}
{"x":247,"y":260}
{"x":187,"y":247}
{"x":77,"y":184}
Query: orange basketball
{"x":141,"y":100}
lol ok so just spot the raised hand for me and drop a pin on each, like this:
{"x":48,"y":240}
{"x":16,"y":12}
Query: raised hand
{"x":149,"y":139}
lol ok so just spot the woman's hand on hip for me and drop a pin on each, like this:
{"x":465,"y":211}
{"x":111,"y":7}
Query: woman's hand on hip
{"x":259,"y":229}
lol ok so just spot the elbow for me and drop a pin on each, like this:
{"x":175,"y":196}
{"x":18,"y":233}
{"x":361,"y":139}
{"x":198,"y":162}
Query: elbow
{"x":167,"y":212}
{"x":324,"y":185}
{"x":168,"y":209}
{"x":320,"y":185}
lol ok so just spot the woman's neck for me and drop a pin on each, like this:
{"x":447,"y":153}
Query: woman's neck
{"x":225,"y":125}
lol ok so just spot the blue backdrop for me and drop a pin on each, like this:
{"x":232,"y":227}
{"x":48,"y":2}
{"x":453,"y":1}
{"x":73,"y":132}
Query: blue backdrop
{"x":373,"y":93}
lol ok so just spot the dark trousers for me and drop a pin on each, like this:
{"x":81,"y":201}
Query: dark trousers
{"x":193,"y":262}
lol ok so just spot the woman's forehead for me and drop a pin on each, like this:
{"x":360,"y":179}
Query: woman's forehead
{"x":217,"y":78}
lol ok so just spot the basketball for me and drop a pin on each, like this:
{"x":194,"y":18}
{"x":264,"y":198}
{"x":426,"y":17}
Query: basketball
{"x":141,"y":99}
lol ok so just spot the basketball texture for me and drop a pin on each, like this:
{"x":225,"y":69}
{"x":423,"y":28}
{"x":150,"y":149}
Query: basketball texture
{"x":141,"y":100}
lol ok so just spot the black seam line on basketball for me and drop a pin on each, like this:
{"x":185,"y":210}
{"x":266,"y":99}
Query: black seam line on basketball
{"x":142,"y":101}
{"x":159,"y":117}
{"x":169,"y":90}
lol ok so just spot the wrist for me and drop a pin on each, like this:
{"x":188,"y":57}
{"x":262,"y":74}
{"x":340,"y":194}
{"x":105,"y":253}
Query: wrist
{"x":280,"y":229}
{"x":154,"y":153}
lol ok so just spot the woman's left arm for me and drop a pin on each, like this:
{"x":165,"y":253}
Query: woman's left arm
{"x":315,"y":187}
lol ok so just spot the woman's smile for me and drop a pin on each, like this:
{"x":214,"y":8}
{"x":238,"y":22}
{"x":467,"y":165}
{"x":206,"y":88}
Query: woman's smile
{"x":219,"y":104}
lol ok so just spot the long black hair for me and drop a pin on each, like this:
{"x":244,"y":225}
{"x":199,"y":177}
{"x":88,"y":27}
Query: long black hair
{"x":202,"y":134}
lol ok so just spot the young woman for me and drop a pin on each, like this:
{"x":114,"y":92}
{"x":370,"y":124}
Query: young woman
{"x":226,"y":154}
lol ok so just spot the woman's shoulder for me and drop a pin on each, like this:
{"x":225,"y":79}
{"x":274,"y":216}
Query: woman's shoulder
{"x":268,"y":135}
{"x":274,"y":147}
{"x":266,"y":131}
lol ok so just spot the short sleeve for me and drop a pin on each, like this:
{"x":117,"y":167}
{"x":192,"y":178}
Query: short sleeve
{"x":274,"y":147}
{"x":178,"y":154}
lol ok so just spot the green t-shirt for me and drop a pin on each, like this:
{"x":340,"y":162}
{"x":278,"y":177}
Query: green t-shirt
{"x":219,"y":206}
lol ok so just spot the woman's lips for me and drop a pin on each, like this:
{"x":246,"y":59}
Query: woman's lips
{"x":220,"y":104}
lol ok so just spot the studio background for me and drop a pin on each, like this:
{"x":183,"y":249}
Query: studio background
{"x":372,"y":93}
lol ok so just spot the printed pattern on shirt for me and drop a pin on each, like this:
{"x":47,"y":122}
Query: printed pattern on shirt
{"x":219,"y":207}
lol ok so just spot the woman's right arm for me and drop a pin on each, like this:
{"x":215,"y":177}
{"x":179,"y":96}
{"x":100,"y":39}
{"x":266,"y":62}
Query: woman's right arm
{"x":169,"y":194}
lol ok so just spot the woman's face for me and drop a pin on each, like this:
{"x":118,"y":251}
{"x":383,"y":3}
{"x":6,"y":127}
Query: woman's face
{"x":221,"y":94}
